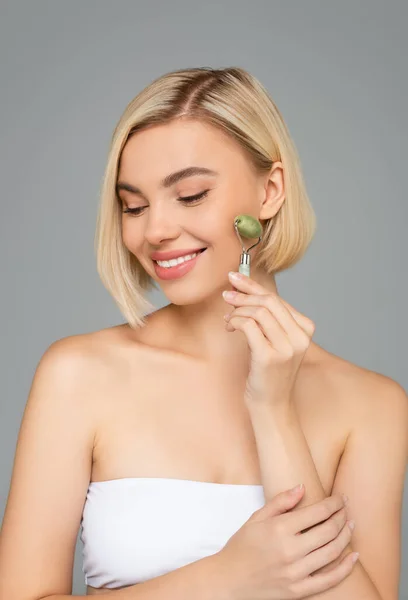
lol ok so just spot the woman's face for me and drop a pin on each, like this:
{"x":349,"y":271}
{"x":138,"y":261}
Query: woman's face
{"x":166,"y":223}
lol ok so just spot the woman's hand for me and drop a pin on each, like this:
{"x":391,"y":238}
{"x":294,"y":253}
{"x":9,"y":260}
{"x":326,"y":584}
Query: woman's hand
{"x":278,"y":337}
{"x":275,"y":552}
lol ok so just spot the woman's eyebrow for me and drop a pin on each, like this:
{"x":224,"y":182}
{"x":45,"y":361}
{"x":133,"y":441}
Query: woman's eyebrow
{"x":169,"y":180}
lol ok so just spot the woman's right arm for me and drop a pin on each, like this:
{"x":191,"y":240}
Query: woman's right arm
{"x":49,"y":482}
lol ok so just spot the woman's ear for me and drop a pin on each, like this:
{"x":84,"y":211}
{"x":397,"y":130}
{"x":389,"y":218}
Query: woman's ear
{"x":273,"y":194}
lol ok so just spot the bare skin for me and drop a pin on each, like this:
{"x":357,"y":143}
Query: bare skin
{"x":121,"y":403}
{"x":209,"y":365}
{"x":140,"y":433}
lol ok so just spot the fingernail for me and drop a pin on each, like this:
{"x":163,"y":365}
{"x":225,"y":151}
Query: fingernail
{"x":355,"y":557}
{"x":345,"y":499}
{"x":227,"y":317}
{"x":234,"y":275}
{"x":351,"y":524}
{"x":229,"y":295}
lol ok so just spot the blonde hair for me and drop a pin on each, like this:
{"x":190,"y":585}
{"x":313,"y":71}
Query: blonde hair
{"x":236,"y":102}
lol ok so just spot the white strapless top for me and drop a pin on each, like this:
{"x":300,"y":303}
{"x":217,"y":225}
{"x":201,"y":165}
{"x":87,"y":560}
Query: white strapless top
{"x":137,"y":528}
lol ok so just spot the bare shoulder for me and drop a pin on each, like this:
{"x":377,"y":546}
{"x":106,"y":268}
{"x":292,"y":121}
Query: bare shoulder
{"x":98,"y":362}
{"x":361,"y":391}
{"x":70,"y":375}
{"x":80,"y":369}
{"x":87,"y":352}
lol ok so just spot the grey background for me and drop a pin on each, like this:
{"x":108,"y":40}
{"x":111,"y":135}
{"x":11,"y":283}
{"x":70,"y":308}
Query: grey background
{"x":337,"y":71}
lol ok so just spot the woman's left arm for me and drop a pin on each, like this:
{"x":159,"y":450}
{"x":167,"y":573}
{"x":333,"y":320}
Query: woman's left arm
{"x":370,"y":472}
{"x":372,"y":467}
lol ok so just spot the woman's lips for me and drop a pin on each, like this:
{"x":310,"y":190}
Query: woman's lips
{"x":177,"y":271}
{"x":172,"y":254}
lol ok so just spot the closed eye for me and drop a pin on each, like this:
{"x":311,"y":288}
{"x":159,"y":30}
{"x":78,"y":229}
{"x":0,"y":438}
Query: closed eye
{"x":185,"y":199}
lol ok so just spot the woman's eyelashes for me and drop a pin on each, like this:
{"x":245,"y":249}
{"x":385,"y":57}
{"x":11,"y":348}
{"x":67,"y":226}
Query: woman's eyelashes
{"x":185,"y":199}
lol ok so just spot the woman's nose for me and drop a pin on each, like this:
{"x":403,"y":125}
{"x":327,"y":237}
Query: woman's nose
{"x":160,"y":226}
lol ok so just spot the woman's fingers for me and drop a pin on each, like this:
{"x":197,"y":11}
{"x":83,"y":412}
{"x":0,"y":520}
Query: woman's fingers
{"x":322,"y":534}
{"x":324,"y":554}
{"x":321,"y":582}
{"x":309,"y":516}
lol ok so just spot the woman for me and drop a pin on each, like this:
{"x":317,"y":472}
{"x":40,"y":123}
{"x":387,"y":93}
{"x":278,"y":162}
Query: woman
{"x":174,"y":443}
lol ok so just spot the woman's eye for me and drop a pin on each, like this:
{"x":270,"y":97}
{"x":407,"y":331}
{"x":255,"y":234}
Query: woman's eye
{"x":186,"y":199}
{"x":191,"y":199}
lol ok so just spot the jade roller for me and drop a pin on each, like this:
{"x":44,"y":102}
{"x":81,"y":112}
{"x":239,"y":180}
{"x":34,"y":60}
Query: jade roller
{"x":248,"y":227}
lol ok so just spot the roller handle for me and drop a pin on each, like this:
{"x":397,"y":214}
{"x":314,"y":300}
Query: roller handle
{"x":244,"y":269}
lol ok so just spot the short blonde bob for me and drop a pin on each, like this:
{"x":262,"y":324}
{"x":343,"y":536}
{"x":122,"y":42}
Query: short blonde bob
{"x":236,"y":102}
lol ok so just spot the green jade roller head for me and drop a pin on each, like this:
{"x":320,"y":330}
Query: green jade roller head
{"x":248,"y":227}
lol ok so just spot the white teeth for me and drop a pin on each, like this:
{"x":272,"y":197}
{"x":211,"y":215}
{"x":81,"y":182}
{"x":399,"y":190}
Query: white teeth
{"x":176,"y":261}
